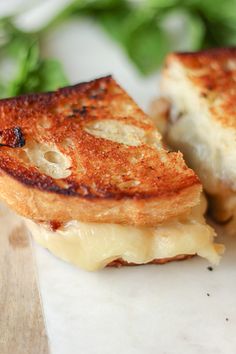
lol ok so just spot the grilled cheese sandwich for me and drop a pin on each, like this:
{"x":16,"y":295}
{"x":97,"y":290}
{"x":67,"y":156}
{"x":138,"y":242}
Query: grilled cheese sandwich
{"x":92,"y":180}
{"x":200,"y":90}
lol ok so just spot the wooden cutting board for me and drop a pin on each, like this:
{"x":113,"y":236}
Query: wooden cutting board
{"x":22,"y":327}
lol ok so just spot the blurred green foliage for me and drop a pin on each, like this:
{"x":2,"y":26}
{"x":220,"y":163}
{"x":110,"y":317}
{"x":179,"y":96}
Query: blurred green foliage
{"x":147,"y":31}
{"x":29,"y":71}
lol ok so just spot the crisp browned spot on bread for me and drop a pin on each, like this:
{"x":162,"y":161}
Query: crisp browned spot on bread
{"x":54,"y":225}
{"x":12,"y":137}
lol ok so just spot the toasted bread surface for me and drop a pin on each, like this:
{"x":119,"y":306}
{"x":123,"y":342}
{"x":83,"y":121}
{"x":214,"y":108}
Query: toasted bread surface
{"x":213,"y":73}
{"x":87,"y":152}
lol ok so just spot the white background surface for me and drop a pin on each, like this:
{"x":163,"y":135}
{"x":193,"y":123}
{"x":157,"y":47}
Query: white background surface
{"x":149,"y":309}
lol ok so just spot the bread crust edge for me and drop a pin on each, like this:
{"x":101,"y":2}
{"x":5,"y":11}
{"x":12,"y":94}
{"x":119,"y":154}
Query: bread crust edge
{"x":120,"y":262}
{"x":48,"y":206}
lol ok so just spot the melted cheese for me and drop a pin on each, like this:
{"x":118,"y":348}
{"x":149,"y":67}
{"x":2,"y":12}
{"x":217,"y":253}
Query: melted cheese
{"x":92,"y":246}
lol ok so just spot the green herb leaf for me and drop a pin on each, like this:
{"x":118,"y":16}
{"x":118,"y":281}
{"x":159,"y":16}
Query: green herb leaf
{"x":147,"y":30}
{"x":31,"y":73}
{"x":35,"y":74}
{"x":185,"y":30}
{"x":147,"y":47}
{"x":51,"y":75}
{"x":138,"y":32}
{"x":218,"y":10}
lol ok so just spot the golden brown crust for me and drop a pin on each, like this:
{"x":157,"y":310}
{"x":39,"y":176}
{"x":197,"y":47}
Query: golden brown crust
{"x":120,"y":262}
{"x":38,"y":205}
{"x":104,"y":176}
{"x":213,"y":73}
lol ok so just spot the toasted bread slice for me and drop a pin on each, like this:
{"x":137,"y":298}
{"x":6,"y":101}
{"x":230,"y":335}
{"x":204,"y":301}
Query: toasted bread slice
{"x":88,"y":153}
{"x":201,"y":89}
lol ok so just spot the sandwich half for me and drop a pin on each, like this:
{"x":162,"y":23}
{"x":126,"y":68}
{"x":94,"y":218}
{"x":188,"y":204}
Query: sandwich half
{"x":86,"y":169}
{"x":199,"y":119}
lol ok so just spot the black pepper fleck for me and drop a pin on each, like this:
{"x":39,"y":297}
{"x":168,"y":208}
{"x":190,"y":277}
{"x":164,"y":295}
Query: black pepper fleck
{"x":210,"y":269}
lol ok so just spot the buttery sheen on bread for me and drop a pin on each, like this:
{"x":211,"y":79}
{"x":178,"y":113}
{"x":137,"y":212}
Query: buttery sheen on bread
{"x":86,"y":169}
{"x":201,"y":121}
